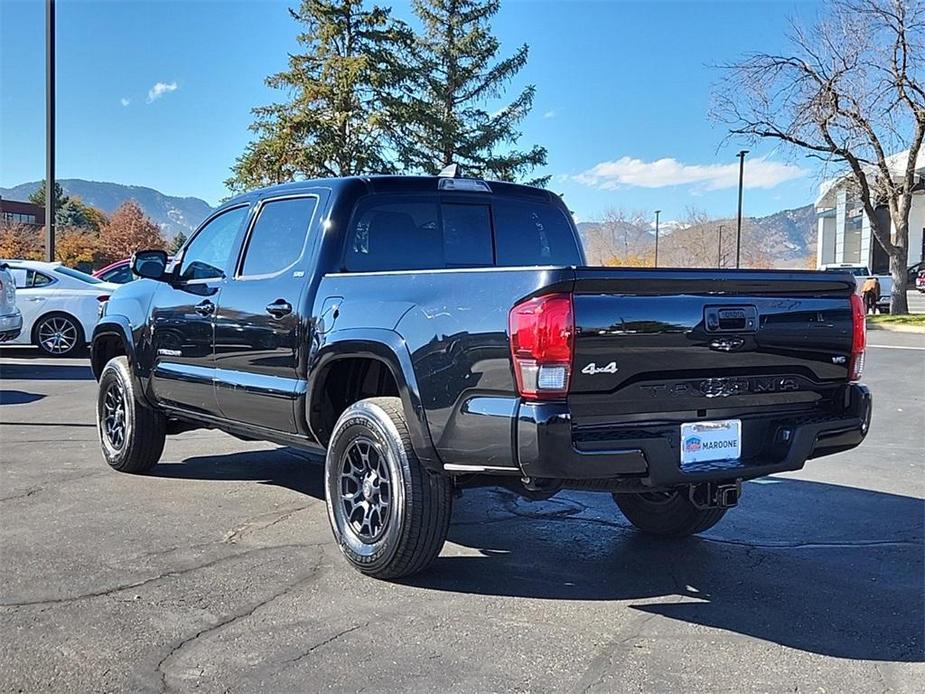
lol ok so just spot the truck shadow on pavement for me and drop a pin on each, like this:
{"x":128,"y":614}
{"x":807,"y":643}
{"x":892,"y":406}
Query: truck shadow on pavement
{"x":826,"y":569}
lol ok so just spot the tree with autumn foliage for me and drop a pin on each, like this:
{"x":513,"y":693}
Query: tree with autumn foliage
{"x":19,"y":240}
{"x":78,"y":247}
{"x":127,"y":231}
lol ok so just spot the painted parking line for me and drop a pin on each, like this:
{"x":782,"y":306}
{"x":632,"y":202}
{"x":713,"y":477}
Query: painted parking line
{"x":895,"y":347}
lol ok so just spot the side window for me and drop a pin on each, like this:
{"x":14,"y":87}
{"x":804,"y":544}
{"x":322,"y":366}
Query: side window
{"x":208,"y":254}
{"x":395,"y":236}
{"x":277,"y":238}
{"x":37,"y":279}
{"x":529,"y":233}
{"x":467,"y":235}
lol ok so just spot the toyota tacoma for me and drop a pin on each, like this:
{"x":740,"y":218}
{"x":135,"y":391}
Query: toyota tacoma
{"x":428,"y":334}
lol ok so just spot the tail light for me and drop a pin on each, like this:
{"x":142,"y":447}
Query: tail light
{"x":102,"y":297}
{"x":858,"y":338}
{"x":542,"y":338}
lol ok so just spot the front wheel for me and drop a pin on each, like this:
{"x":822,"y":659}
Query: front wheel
{"x":131,"y":434}
{"x":389,"y":515}
{"x":669,"y":514}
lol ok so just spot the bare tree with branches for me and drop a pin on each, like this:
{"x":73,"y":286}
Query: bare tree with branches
{"x":852,"y":94}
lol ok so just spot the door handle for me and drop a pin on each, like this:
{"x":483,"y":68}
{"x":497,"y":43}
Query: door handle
{"x":279,"y":308}
{"x":205,"y":308}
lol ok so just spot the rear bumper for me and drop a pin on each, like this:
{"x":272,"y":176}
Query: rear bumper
{"x":648,"y":453}
{"x":10,"y":326}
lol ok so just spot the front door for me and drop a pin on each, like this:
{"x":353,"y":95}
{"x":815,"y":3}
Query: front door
{"x":183,"y":312}
{"x":259,"y":319}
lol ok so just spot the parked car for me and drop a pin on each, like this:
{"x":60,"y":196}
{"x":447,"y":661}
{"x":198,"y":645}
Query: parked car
{"x":861,"y":272}
{"x":434,"y":333}
{"x":119,"y":272}
{"x":59,"y":305}
{"x":920,"y":281}
{"x":10,"y":315}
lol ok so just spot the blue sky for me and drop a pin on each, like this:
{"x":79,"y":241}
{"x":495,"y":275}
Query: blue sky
{"x":623,"y":92}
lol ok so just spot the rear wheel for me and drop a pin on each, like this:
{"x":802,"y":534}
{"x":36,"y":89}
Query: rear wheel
{"x":132,"y":435}
{"x":58,"y":335}
{"x":389,"y":515}
{"x":669,"y":514}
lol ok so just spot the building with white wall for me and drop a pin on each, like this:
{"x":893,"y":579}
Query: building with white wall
{"x":844,"y":231}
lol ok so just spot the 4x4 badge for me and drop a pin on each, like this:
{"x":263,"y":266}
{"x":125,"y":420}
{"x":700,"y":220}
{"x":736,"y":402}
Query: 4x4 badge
{"x":593,"y":369}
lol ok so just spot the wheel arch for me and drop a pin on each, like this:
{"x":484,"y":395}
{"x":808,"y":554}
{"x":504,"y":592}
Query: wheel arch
{"x":374,"y":349}
{"x":112,"y":337}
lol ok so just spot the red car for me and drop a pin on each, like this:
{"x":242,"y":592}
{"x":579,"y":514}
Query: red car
{"x":920,"y":281}
{"x":119,"y":272}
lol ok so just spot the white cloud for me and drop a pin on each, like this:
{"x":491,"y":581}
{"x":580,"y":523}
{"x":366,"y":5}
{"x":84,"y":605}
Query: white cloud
{"x":125,"y":101}
{"x":550,"y":114}
{"x":661,"y":173}
{"x":159,"y":89}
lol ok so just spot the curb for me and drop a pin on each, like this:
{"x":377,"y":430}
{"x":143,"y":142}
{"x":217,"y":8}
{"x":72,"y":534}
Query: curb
{"x":920,"y":329}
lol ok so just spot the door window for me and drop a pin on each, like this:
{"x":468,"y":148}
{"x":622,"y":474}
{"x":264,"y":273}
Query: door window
{"x":278,"y":236}
{"x":208,"y":254}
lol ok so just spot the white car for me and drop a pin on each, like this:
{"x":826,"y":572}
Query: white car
{"x":59,"y":305}
{"x":10,"y":316}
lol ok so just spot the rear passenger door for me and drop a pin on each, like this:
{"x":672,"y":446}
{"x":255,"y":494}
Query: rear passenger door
{"x":259,"y":321}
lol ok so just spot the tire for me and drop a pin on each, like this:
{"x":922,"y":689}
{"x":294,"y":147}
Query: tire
{"x":58,"y":335}
{"x":668,"y":514}
{"x":143,"y":430}
{"x":402,"y":526}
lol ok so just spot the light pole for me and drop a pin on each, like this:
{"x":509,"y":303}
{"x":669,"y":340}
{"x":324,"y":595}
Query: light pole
{"x":741,"y":156}
{"x":50,"y":130}
{"x":719,"y":247}
{"x":657,"y":213}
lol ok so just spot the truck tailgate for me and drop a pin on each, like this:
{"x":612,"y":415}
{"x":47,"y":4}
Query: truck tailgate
{"x":693,"y":344}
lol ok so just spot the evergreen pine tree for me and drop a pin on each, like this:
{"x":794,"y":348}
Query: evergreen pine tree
{"x":332,"y":121}
{"x":454,"y":76}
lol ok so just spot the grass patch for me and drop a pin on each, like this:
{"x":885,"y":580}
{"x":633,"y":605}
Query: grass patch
{"x":911,"y":319}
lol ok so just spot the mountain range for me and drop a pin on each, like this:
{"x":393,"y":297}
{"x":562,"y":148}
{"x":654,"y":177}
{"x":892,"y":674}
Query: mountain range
{"x":172,"y":214}
{"x":788,"y":237}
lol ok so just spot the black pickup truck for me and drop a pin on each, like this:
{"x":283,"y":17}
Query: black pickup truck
{"x":429,"y":334}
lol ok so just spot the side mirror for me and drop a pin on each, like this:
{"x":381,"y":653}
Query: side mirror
{"x":150,"y":264}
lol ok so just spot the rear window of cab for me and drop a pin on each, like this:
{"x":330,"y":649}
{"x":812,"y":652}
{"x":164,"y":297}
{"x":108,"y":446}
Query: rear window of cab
{"x":435,"y":232}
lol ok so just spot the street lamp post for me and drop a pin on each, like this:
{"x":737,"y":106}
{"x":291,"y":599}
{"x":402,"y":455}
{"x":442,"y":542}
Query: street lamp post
{"x":50,"y":130}
{"x":741,"y":156}
{"x":719,"y":247}
{"x":657,"y":213}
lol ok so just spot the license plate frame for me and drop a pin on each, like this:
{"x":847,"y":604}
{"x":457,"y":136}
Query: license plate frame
{"x":710,"y":442}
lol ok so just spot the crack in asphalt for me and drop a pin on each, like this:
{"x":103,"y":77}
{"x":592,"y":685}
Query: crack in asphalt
{"x":235,"y":534}
{"x":22,"y":495}
{"x":328,"y":640}
{"x":602,"y":663}
{"x":231,"y":619}
{"x":175,"y":573}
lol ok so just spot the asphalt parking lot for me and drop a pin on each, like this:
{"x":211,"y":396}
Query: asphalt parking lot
{"x":217,"y":571}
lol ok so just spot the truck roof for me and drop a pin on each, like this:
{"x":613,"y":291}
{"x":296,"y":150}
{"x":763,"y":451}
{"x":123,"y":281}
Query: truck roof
{"x":389,"y":184}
